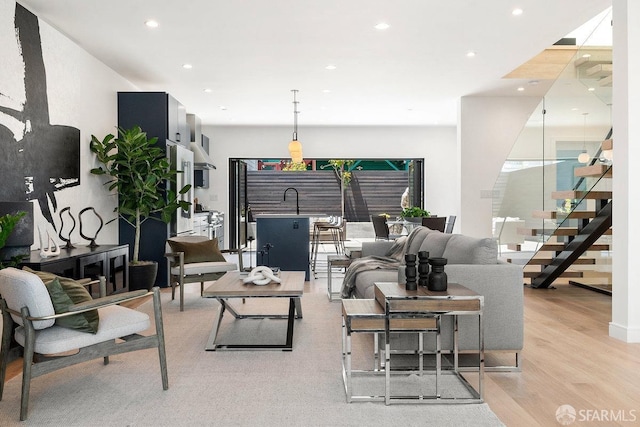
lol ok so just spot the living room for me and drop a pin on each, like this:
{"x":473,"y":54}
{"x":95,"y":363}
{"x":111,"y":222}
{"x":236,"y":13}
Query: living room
{"x":462,"y":158}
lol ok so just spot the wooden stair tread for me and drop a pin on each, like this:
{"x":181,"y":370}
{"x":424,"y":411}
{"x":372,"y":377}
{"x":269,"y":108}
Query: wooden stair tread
{"x":606,"y":81}
{"x":599,"y":70}
{"x":547,"y":261}
{"x":567,"y":273}
{"x":591,"y":195}
{"x":561,"y":231}
{"x":562,"y":215}
{"x":594,"y":171}
{"x":558,"y":247}
{"x":607,"y":144}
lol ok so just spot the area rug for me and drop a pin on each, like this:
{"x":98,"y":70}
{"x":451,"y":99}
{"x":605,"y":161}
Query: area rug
{"x":303,"y":387}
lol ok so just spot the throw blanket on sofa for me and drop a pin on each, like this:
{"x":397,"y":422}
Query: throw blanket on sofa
{"x":392,"y":260}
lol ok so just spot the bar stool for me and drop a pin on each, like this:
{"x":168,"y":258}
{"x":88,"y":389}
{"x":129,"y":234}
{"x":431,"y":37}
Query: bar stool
{"x":335,"y":226}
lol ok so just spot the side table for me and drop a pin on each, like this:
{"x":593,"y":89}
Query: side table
{"x":367,"y":316}
{"x":456,"y":301}
{"x":337,"y":261}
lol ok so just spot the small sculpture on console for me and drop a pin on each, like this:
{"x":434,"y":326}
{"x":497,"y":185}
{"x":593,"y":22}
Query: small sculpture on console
{"x":73,"y":220}
{"x":48,"y":249}
{"x":92,"y":240}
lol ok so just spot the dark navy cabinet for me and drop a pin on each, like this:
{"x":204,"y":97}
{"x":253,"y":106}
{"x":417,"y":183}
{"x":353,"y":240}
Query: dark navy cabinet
{"x":159,"y":115}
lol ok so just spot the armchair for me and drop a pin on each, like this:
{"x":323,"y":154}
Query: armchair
{"x":195,"y":259}
{"x":27,"y":302}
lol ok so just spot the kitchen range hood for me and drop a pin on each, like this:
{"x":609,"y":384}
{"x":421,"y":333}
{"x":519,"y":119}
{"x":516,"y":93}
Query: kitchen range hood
{"x":201,"y":159}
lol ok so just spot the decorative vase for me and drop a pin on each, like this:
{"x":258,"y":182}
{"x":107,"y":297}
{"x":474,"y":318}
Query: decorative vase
{"x":437,"y":277}
{"x":142,"y":275}
{"x":410,"y":272}
{"x":423,"y":268}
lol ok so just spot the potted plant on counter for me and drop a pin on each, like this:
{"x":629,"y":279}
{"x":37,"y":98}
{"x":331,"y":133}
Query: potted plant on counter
{"x":139,"y":171}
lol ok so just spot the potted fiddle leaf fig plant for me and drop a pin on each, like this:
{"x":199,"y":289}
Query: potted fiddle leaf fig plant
{"x":139,"y":171}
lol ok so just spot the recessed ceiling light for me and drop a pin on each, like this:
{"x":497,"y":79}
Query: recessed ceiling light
{"x":187,"y":66}
{"x":223,"y":108}
{"x":151,"y":23}
{"x":591,"y":89}
{"x":208,"y":90}
{"x":326,"y":91}
{"x":575,"y":109}
{"x":586,"y":55}
{"x":471,"y":54}
{"x":330,"y":67}
{"x":520,"y":89}
{"x":381,"y":26}
{"x":517,"y":11}
{"x":533,"y":82}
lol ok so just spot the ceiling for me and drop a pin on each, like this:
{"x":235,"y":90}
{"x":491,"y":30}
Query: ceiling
{"x":251,"y":53}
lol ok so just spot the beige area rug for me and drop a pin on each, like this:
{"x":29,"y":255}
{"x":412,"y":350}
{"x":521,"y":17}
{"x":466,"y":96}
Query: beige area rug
{"x":225,"y":388}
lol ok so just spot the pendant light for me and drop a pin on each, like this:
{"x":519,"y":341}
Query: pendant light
{"x":295,"y":148}
{"x":584,"y":156}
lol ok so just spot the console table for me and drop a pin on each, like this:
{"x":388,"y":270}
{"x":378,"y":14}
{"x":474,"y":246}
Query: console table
{"x":74,"y":262}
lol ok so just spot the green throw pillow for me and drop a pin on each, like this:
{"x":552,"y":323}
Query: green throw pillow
{"x":65,"y":292}
{"x":203,"y":251}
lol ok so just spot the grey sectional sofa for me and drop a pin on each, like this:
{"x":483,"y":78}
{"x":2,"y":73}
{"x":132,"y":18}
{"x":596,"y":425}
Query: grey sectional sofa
{"x":472,"y":262}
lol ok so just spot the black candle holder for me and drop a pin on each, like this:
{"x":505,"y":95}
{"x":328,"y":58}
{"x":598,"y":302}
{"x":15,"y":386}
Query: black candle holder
{"x":410,"y":272}
{"x":437,"y":277}
{"x":423,"y":268}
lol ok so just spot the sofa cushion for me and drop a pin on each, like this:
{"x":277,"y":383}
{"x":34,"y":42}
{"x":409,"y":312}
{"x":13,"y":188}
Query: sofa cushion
{"x":470,"y":250}
{"x":435,"y":243}
{"x":416,"y":238}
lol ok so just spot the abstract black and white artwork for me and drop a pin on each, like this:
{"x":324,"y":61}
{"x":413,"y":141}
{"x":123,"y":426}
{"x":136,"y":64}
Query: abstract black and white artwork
{"x":38,"y":158}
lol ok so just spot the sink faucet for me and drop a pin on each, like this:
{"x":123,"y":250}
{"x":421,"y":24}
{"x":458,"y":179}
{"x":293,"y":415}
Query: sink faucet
{"x":297,"y":204}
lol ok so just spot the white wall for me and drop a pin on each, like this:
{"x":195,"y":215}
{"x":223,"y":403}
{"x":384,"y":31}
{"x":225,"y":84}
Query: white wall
{"x":625,"y":322}
{"x":487,"y":130}
{"x":437,"y":145}
{"x":82,"y":93}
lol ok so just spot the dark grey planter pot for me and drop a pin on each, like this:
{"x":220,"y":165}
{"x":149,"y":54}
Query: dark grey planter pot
{"x":143,"y":275}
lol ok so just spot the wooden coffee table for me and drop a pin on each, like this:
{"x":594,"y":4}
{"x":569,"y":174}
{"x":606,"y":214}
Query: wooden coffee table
{"x":230,"y":286}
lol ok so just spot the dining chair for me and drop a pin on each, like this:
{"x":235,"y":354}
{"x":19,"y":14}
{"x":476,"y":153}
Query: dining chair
{"x":380,"y":227}
{"x":450,"y":223}
{"x":434,"y":222}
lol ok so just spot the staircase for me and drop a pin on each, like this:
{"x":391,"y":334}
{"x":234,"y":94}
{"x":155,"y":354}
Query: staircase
{"x":574,"y":251}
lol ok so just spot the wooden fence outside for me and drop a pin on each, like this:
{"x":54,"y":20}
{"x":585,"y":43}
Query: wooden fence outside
{"x":368,"y":193}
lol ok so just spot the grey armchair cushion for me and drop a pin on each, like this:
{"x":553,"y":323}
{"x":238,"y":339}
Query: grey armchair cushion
{"x":470,"y":250}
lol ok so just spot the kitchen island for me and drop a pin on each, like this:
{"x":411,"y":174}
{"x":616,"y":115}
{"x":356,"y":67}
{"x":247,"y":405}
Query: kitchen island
{"x":283,"y":241}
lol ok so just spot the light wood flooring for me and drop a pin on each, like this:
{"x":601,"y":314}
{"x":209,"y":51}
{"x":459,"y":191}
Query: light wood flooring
{"x":568,"y":359}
